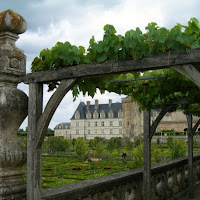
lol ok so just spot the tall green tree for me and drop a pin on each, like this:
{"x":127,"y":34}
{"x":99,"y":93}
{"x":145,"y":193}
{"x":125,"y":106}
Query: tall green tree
{"x":81,"y":146}
{"x":138,"y":158}
{"x":100,"y":149}
{"x":58,"y":144}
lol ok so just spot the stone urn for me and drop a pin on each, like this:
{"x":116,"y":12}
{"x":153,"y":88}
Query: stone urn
{"x":13,"y":107}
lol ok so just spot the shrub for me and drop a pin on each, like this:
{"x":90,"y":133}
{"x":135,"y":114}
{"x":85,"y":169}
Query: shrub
{"x":177,"y":148}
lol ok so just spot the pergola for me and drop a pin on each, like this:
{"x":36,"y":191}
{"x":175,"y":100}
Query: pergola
{"x":38,"y":120}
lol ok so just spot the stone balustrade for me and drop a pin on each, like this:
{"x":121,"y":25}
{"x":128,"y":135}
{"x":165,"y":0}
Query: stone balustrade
{"x":169,"y":180}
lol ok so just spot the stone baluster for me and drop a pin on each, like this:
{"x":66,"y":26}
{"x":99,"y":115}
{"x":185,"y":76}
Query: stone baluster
{"x":13,"y":107}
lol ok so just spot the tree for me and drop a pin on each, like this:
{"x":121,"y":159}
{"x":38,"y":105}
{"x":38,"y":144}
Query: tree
{"x":50,"y":132}
{"x":114,"y":143}
{"x":57,"y":144}
{"x":81,"y":146}
{"x":92,"y":144}
{"x":100,"y":149}
{"x":138,"y":158}
{"x":129,"y":146}
{"x":137,"y":141}
{"x":111,"y":144}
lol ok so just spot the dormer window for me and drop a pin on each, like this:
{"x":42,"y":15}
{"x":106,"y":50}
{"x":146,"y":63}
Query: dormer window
{"x":95,"y":115}
{"x":110,"y":114}
{"x":102,"y":114}
{"x":77,"y":115}
{"x":88,"y":115}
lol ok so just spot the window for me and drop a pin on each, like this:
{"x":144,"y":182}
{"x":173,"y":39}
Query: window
{"x":77,"y":124}
{"x":66,"y":131}
{"x":120,"y":131}
{"x":120,"y":123}
{"x":102,"y":123}
{"x":111,"y":131}
{"x":95,"y":123}
{"x":128,"y":123}
{"x":88,"y":123}
{"x":88,"y":131}
{"x":77,"y":132}
{"x":95,"y":132}
{"x":111,"y":123}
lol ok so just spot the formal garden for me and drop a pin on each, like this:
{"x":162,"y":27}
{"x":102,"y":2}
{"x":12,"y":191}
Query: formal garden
{"x":67,"y":161}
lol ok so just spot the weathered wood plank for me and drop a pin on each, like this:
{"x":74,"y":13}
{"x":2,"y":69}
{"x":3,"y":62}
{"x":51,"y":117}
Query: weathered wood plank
{"x":190,"y":72}
{"x":50,"y":109}
{"x":147,"y":157}
{"x":164,"y":60}
{"x":33,"y":154}
{"x":190,"y":156}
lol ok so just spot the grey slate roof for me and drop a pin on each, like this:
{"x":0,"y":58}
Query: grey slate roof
{"x":83,"y":109}
{"x":63,"y":126}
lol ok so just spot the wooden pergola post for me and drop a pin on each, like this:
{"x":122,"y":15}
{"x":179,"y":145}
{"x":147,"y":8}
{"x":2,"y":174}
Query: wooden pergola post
{"x":147,"y":157}
{"x":34,"y":153}
{"x":38,"y":121}
{"x":190,"y":157}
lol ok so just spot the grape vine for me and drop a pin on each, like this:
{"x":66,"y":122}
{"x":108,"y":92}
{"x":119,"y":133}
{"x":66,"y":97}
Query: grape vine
{"x":133,"y":45}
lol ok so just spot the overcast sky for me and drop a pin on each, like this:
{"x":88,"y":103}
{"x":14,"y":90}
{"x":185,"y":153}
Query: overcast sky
{"x":76,"y":21}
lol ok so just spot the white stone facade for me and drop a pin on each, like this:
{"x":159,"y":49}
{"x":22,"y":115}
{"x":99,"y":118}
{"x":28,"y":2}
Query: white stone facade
{"x":91,"y":128}
{"x":63,"y":130}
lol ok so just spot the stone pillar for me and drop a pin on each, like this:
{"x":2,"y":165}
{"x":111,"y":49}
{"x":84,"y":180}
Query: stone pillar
{"x":13,"y":107}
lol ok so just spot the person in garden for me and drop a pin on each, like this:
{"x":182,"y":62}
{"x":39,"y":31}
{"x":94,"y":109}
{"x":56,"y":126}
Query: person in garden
{"x":124,"y":155}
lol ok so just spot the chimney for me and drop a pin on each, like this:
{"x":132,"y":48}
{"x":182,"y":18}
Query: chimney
{"x":96,"y":104}
{"x":110,"y":102}
{"x":88,"y":103}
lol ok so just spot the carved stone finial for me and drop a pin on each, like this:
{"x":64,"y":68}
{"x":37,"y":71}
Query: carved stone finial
{"x":13,"y":106}
{"x":12,"y":59}
{"x":11,"y":21}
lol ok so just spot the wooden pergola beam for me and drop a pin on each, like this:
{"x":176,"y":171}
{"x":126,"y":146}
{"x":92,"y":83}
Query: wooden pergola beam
{"x":190,"y":72}
{"x":164,"y":60}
